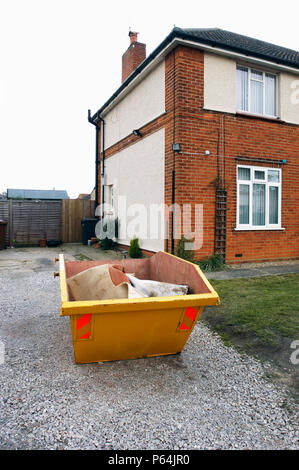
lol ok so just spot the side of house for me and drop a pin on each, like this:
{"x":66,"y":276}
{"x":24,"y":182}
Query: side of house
{"x":133,"y":174}
{"x":235,"y":117}
{"x":253,"y":162}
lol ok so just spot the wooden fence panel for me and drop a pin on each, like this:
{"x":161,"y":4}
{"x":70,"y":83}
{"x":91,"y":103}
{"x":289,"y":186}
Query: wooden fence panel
{"x":35,"y":220}
{"x":4,"y":215}
{"x":31,"y":221}
{"x":72,"y":212}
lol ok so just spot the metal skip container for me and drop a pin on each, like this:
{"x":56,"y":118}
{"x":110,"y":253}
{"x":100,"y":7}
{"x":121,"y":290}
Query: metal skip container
{"x":116,"y":329}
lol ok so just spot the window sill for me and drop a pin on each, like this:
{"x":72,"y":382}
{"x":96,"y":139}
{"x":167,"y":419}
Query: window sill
{"x":263,"y":229}
{"x":258,"y":116}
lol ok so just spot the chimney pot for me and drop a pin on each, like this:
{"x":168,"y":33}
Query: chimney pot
{"x":133,"y":36}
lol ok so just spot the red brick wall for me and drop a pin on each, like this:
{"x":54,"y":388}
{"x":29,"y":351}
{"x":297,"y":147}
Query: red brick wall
{"x":264,"y":139}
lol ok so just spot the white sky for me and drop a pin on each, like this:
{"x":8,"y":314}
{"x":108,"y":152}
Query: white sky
{"x":59,"y":58}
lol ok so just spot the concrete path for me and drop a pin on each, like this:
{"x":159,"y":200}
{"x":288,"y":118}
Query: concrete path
{"x":42,"y":259}
{"x":256,"y":270}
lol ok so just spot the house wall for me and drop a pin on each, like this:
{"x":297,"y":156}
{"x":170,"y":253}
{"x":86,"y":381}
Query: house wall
{"x":264,"y":139}
{"x":137,"y":174}
{"x":143,"y":104}
{"x":201,"y":118}
{"x":229,"y":136}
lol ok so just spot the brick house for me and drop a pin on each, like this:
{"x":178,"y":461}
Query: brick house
{"x":209,"y":117}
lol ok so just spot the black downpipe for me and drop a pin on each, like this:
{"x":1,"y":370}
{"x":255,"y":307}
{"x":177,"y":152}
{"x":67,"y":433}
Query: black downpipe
{"x":172,"y":212}
{"x":97,"y":159}
{"x":97,"y":166}
{"x":218,"y":164}
{"x":224,"y":137}
{"x":217,"y":186}
{"x":103,"y":165}
{"x":173,"y":163}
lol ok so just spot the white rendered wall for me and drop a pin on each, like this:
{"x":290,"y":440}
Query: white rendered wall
{"x":289,"y":98}
{"x":143,"y":104}
{"x":137,"y":173}
{"x":219,"y":83}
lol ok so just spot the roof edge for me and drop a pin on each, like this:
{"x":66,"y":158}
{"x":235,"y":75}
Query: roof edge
{"x":181,"y":34}
{"x":137,"y":71}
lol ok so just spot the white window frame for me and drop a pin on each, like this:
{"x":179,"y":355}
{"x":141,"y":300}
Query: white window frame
{"x":268,"y":184}
{"x":248,"y":111}
{"x":111,"y":196}
{"x":110,"y":199}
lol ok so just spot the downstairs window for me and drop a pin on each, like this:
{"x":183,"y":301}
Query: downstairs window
{"x":258,"y":198}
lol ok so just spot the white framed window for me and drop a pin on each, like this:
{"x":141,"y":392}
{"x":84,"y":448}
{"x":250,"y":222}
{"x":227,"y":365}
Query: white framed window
{"x":109,"y":199}
{"x":258,"y":198}
{"x":257,"y":92}
{"x":111,"y":196}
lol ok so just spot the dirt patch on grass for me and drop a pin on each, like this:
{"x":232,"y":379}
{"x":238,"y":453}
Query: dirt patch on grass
{"x":260,"y":317}
{"x":277,"y":357}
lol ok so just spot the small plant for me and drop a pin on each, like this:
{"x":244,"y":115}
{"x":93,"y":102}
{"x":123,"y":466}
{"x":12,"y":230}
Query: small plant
{"x":181,"y":251}
{"x":106,"y":243}
{"x":213,"y":263}
{"x":108,"y":233}
{"x":134,"y":250}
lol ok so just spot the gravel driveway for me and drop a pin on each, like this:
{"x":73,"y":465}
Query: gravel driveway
{"x":208,"y":397}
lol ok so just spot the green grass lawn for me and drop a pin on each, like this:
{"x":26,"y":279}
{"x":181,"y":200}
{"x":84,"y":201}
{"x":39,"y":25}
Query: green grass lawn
{"x":265,"y":307}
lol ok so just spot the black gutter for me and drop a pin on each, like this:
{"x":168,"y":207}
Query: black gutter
{"x":97,"y":160}
{"x":180,"y":34}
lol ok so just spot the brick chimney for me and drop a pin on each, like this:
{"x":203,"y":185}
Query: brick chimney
{"x":133,"y":56}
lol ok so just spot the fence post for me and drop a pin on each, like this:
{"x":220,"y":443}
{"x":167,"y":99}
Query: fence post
{"x":10,"y":228}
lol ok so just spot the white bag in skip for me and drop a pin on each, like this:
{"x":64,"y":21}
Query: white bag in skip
{"x":156,"y":288}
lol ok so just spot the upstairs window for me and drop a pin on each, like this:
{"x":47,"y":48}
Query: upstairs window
{"x":256,"y":92}
{"x":258,"y":197}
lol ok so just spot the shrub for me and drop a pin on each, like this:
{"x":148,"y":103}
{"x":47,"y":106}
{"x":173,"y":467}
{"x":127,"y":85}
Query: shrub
{"x":134,"y":250}
{"x":213,"y":263}
{"x":106,"y":243}
{"x":109,"y":226}
{"x":181,"y":252}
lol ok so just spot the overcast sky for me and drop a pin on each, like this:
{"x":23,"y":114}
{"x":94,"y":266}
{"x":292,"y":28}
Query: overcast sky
{"x":61,"y":57}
